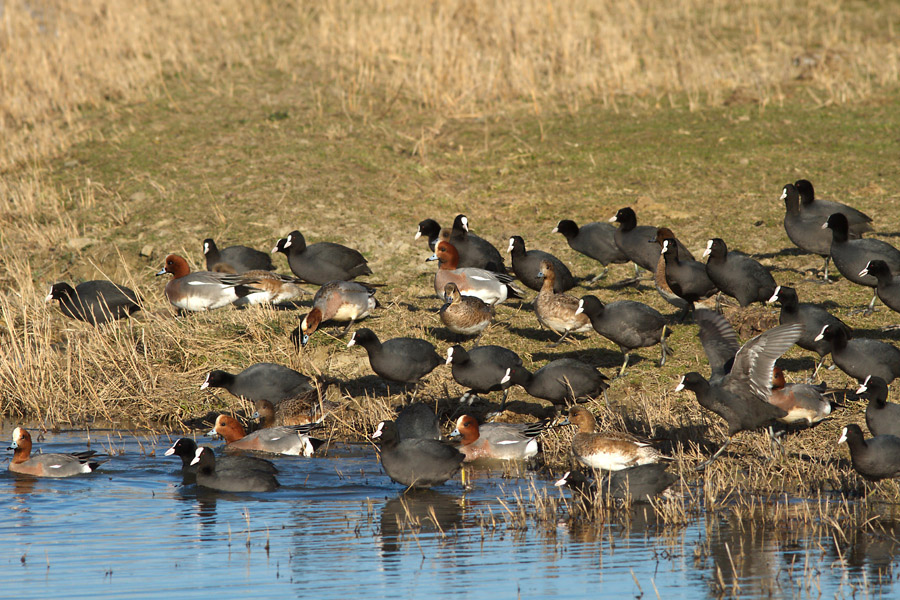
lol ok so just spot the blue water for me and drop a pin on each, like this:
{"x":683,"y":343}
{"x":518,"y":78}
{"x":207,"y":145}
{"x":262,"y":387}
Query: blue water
{"x":132,"y":530}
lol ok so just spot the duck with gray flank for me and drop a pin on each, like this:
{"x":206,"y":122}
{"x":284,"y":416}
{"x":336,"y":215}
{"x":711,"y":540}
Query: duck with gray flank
{"x":96,"y":302}
{"x":293,"y":441}
{"x":594,"y":240}
{"x":804,"y":403}
{"x":557,"y":311}
{"x":201,"y":290}
{"x":875,"y":458}
{"x":492,"y":288}
{"x":504,"y":441}
{"x":526,"y":264}
{"x":416,"y":462}
{"x":237,"y":258}
{"x":50,"y":464}
{"x":321,"y":262}
{"x":339,"y":301}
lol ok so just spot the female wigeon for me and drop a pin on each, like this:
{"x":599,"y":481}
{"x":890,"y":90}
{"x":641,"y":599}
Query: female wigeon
{"x":492,"y":288}
{"x":557,"y":311}
{"x":203,"y":290}
{"x":405,"y":360}
{"x":526,"y":264}
{"x":464,"y":315}
{"x":287,"y":413}
{"x":262,"y":381}
{"x":594,"y":240}
{"x":268,"y":287}
{"x":95,"y":302}
{"x":803,"y":402}
{"x":627,"y":323}
{"x":874,"y":458}
{"x":275,"y":440}
{"x":473,"y":251}
{"x":504,"y":441}
{"x":47,"y":465}
{"x":596,"y":450}
{"x":417,"y":462}
{"x":238,"y":259}
{"x":338,"y":301}
{"x":321,"y":262}
{"x":186,"y":450}
{"x":882,"y":417}
{"x":231,"y":479}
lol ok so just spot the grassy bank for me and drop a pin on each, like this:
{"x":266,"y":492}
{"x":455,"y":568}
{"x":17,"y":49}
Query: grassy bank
{"x":301,"y":124}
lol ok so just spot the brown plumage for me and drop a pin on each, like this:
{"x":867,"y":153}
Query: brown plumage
{"x":606,"y":452}
{"x":465,"y":315}
{"x":557,"y":311}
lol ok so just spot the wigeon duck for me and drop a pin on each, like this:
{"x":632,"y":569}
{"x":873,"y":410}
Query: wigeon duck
{"x":237,"y":258}
{"x":738,"y":394}
{"x":557,"y":311}
{"x":851,"y":256}
{"x":629,"y":324}
{"x":321,"y":262}
{"x":431,"y":230}
{"x":882,"y":417}
{"x":641,"y":483}
{"x":268,"y":287}
{"x":861,"y":357}
{"x":338,"y":301}
{"x":416,"y":463}
{"x":418,"y":421}
{"x":737,"y":275}
{"x":492,"y":288}
{"x":887,"y":286}
{"x":262,"y":381}
{"x":526,"y":264}
{"x":47,"y":465}
{"x":805,"y":233}
{"x":405,"y":360}
{"x":186,"y":450}
{"x":687,"y":278}
{"x":504,"y":441}
{"x":484,"y":369}
{"x":293,"y":441}
{"x":812,"y":317}
{"x":203,"y":290}
{"x":231,"y":479}
{"x":95,"y":302}
{"x":563,"y":380}
{"x":818,"y":209}
{"x":473,"y":251}
{"x":287,"y":413}
{"x":464,"y":315}
{"x":636,"y":241}
{"x":804,"y":403}
{"x":876,"y":458}
{"x":599,"y":451}
{"x":594,"y":240}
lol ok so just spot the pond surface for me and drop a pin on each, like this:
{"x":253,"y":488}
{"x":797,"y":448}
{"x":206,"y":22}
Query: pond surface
{"x":339,"y":528}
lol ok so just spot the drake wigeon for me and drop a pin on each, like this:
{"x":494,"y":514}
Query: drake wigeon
{"x":293,"y":441}
{"x":484,"y":369}
{"x":202,"y":290}
{"x":686,"y":277}
{"x":882,"y":417}
{"x":186,"y":450}
{"x":641,"y":483}
{"x":492,"y":288}
{"x":875,"y":458}
{"x":47,"y":465}
{"x":812,"y":317}
{"x":473,"y":251}
{"x":627,"y":323}
{"x":464,"y":315}
{"x":262,"y":381}
{"x":563,"y":381}
{"x":238,"y":259}
{"x":526,"y":264}
{"x":804,"y":403}
{"x":599,"y":451}
{"x":405,"y":360}
{"x":594,"y":240}
{"x":818,"y":210}
{"x":504,"y":441}
{"x":737,"y":275}
{"x":321,"y":262}
{"x":233,"y":478}
{"x":557,"y":311}
{"x":861,"y":357}
{"x":338,"y":301}
{"x":887,"y":287}
{"x":738,"y":394}
{"x":95,"y":302}
{"x":417,"y":462}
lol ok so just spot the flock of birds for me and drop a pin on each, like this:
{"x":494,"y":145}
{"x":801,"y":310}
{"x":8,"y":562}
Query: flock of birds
{"x":744,"y":388}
